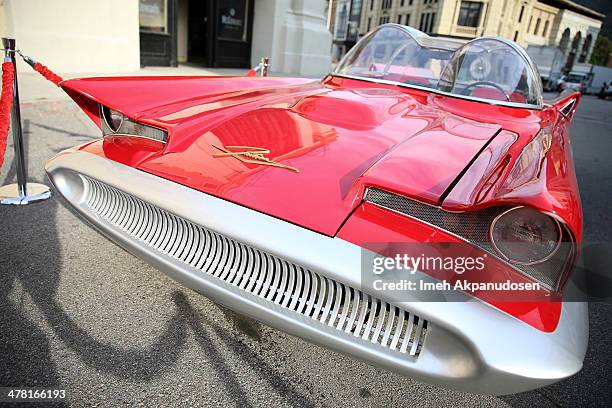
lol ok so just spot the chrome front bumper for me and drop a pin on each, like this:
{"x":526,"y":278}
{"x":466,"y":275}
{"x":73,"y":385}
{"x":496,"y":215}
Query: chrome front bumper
{"x":467,"y":345}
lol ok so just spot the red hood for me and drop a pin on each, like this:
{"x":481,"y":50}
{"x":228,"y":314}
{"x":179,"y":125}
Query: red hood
{"x":340,"y":140}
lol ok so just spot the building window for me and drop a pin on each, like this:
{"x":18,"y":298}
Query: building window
{"x":383,"y":20}
{"x":371,"y":5}
{"x":586,"y":47}
{"x":369,"y":23}
{"x":386,"y":4}
{"x":515,"y":36}
{"x":402,"y":3}
{"x":469,"y":14}
{"x":537,"y":27}
{"x":399,"y":19}
{"x":153,"y":16}
{"x":407,"y":19}
{"x":529,"y":25}
{"x":427,"y":21}
{"x":521,"y":13}
{"x":545,"y":31}
{"x":565,"y":37}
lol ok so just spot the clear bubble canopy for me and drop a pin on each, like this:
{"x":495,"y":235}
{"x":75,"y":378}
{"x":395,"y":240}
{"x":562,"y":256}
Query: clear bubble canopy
{"x":486,"y":69}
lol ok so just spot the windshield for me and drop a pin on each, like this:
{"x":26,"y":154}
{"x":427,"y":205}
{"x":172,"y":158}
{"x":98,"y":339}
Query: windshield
{"x":394,"y":55}
{"x":488,"y":69}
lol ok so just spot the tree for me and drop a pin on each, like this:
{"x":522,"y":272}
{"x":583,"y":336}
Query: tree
{"x":601,"y":50}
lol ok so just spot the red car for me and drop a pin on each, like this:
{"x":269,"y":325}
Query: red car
{"x":287,"y":200}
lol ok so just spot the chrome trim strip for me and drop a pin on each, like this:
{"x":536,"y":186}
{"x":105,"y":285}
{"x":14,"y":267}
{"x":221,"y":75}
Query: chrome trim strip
{"x":105,"y":119}
{"x":470,"y":345}
{"x":568,"y":109}
{"x":438,"y":92}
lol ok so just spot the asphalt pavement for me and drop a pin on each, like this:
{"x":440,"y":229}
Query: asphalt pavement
{"x":80,"y":314}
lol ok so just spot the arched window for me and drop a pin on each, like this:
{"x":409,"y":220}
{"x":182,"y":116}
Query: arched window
{"x":585,"y":48}
{"x":576,"y":42}
{"x":545,"y":31}
{"x":537,"y":27}
{"x":565,"y":37}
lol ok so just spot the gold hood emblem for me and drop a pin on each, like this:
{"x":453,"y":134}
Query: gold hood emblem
{"x":249,"y":154}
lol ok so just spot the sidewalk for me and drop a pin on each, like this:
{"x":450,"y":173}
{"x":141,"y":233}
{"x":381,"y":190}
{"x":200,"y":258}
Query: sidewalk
{"x":33,"y":87}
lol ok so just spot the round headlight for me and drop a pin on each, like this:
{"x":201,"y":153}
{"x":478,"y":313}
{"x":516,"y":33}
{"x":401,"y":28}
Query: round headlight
{"x":525,"y":236}
{"x":113,"y":118}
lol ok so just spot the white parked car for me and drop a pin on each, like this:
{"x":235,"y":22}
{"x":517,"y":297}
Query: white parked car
{"x":571,"y":81}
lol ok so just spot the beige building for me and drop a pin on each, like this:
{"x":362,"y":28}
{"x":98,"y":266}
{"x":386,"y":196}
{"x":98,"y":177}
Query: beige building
{"x":105,"y":36}
{"x":562,"y":23}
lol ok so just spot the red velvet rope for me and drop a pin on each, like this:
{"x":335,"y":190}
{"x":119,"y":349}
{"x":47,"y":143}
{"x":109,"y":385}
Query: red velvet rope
{"x":47,"y":73}
{"x":6,"y":101}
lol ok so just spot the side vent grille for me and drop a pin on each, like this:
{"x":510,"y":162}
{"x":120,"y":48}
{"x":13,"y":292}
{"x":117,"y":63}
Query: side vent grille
{"x":471,"y":225}
{"x":279,"y":282}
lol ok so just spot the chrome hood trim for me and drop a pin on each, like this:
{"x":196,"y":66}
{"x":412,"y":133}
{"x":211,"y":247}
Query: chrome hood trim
{"x":470,"y":346}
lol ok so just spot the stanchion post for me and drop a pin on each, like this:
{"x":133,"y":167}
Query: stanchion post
{"x":22,"y":192}
{"x":265,"y":63}
{"x":20,"y":165}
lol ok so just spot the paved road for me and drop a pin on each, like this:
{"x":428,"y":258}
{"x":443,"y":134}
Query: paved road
{"x":80,"y":314}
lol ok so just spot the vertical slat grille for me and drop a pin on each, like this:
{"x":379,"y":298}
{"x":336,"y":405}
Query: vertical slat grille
{"x":269,"y":277}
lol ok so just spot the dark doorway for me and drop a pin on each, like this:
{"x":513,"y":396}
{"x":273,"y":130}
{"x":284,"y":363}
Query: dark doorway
{"x":219,"y":32}
{"x":234,"y":19}
{"x":199,"y":43}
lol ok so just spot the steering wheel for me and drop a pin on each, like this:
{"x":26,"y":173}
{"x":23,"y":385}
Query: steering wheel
{"x":485,"y":83}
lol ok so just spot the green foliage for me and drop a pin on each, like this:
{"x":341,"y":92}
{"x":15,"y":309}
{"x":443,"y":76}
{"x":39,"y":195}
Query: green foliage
{"x":601,"y":50}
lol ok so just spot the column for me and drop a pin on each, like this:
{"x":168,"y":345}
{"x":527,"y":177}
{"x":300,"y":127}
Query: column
{"x":294,"y":34}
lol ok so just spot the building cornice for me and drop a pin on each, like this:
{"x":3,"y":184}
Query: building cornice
{"x":575,"y":7}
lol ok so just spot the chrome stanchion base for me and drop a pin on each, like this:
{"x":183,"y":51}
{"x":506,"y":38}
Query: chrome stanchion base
{"x":9,"y":194}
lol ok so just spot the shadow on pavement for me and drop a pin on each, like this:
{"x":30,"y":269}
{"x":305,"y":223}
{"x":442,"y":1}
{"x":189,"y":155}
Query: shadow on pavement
{"x":27,"y":360}
{"x":31,"y":257}
{"x":38,"y":274}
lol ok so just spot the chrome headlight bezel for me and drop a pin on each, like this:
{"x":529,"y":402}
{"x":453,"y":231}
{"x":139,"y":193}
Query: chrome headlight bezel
{"x":106,"y":114}
{"x":496,"y":245}
{"x":129,"y":127}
